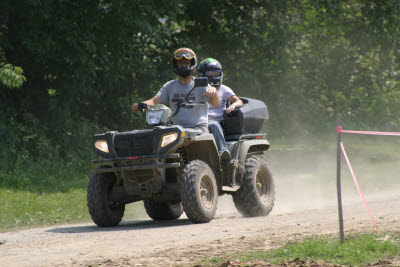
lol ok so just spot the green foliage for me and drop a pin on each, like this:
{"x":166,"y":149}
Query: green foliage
{"x":80,"y":60}
{"x":85,"y":63}
{"x":45,"y":176}
{"x":11,"y":76}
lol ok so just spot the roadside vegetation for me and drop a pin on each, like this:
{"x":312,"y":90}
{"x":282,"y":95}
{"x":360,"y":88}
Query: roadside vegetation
{"x":307,"y":60}
{"x":47,"y":193}
{"x":356,"y":250}
{"x":43,"y":193}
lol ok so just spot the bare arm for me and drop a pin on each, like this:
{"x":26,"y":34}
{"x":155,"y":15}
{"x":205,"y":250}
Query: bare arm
{"x":213,"y":97}
{"x":236,"y":102}
{"x":151,"y":102}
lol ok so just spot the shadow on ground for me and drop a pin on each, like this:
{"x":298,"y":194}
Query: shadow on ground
{"x":123,"y":226}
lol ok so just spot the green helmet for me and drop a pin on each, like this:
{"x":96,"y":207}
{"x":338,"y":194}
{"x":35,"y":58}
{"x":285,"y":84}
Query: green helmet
{"x":211,"y":69}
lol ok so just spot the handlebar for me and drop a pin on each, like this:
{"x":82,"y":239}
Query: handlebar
{"x":191,"y":105}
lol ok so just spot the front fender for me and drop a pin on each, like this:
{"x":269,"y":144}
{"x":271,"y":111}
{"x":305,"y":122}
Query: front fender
{"x":251,"y":146}
{"x":203,"y":149}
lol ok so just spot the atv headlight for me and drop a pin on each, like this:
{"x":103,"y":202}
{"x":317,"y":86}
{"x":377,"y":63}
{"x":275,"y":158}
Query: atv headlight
{"x":168,"y":139}
{"x":101,"y":145}
{"x":154,"y":116}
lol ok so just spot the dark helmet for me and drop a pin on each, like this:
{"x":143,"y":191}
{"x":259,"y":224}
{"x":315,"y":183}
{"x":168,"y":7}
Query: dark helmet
{"x":188,"y":54}
{"x":211,"y":69}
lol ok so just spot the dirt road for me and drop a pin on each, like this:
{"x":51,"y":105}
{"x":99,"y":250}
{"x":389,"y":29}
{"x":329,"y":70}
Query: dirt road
{"x":305,"y":205}
{"x":148,"y":243}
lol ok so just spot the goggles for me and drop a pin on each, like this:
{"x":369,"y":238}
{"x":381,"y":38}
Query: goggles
{"x":183,"y":53}
{"x":213,"y":73}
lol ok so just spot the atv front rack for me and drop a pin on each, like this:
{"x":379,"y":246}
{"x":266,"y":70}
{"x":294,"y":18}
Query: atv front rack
{"x":138,"y":167}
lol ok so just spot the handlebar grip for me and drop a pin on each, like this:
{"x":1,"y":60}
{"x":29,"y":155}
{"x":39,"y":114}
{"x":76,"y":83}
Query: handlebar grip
{"x":142,"y":107}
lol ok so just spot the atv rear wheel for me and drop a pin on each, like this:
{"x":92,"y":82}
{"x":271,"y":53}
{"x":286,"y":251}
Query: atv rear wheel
{"x":102,"y":211}
{"x":160,"y":211}
{"x":256,"y":195}
{"x":199,"y":194}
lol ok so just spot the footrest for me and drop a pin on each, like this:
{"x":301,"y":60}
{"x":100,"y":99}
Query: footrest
{"x":232,"y":188}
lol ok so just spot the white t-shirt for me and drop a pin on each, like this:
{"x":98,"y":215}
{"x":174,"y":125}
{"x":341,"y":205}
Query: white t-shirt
{"x":186,"y":117}
{"x":217,"y":114}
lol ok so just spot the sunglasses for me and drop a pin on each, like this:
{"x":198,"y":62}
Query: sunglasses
{"x":183,"y":54}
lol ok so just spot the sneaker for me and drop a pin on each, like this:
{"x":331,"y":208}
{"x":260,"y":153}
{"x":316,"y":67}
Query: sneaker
{"x":225,"y":157}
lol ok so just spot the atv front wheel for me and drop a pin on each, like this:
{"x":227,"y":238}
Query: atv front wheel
{"x":256,"y":195}
{"x":102,"y":211}
{"x":160,"y":211}
{"x":199,"y":194}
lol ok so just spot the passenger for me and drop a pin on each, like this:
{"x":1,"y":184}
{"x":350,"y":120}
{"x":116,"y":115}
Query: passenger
{"x":212,"y":69}
{"x":184,"y":63}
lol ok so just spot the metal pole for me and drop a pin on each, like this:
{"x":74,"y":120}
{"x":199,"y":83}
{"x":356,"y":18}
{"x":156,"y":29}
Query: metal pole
{"x":338,"y":182}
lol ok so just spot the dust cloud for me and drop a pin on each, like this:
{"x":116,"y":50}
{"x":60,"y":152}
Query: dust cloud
{"x":306,"y":178}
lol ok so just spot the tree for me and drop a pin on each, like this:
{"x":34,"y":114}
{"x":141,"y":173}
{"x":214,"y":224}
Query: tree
{"x":86,"y":62}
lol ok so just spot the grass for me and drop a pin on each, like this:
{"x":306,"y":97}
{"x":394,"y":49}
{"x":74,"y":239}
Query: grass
{"x":48,"y":192}
{"x":20,"y":208}
{"x":368,"y":248}
{"x":355,"y":251}
{"x":43,"y":193}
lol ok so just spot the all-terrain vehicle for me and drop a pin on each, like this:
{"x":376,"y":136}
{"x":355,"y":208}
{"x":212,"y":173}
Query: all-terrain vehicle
{"x":172,"y":169}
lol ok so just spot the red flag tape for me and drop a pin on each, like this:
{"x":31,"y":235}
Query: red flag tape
{"x":339,"y":130}
{"x":358,"y":186}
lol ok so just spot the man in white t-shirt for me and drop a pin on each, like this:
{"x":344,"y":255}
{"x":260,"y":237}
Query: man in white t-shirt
{"x":184,"y":63}
{"x":212,"y":69}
